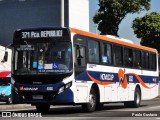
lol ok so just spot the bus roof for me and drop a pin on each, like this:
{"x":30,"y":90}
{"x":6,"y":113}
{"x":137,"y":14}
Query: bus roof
{"x":119,"y":38}
{"x":111,"y":39}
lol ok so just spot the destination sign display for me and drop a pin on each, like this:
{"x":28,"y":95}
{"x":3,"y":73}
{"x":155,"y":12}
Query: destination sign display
{"x":42,"y":34}
{"x":25,"y":48}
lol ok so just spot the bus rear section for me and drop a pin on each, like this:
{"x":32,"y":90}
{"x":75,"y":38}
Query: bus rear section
{"x":5,"y":75}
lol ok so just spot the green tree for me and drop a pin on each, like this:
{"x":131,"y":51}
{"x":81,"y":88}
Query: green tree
{"x":112,"y":12}
{"x":148,"y":29}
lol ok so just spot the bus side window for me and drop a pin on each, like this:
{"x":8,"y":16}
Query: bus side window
{"x":145,"y":59}
{"x":107,"y":54}
{"x":93,"y":51}
{"x":152,"y":61}
{"x":137,"y":59}
{"x":80,"y":55}
{"x":117,"y":55}
{"x":128,"y":57}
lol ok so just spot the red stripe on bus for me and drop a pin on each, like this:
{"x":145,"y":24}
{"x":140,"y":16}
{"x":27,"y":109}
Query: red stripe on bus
{"x":5,"y":74}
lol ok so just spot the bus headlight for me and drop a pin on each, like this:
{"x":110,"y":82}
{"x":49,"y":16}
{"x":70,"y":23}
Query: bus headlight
{"x":3,"y":92}
{"x":68,"y":85}
{"x":62,"y":88}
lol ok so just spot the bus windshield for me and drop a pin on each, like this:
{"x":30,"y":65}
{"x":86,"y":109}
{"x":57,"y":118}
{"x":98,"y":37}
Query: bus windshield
{"x":43,"y":58}
{"x":5,"y":81}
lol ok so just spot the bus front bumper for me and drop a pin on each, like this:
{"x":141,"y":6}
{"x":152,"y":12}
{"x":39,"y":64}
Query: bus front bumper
{"x":3,"y":98}
{"x":46,"y":93}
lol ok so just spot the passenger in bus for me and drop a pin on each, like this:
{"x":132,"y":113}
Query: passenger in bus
{"x":41,"y":62}
{"x":130,"y":62}
{"x":139,"y":65}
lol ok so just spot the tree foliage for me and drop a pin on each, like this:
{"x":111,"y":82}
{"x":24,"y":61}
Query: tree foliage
{"x":148,"y":29}
{"x":112,"y":12}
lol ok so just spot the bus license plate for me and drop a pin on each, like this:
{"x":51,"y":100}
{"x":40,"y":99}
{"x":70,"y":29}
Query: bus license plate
{"x":39,"y":97}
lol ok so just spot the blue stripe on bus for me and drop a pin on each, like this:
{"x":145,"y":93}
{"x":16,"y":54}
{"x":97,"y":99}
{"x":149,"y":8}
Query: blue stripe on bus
{"x":99,"y":75}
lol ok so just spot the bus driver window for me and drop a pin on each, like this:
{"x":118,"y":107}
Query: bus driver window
{"x":80,"y":55}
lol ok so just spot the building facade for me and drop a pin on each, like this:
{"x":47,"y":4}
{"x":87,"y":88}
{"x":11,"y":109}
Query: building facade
{"x":17,"y":14}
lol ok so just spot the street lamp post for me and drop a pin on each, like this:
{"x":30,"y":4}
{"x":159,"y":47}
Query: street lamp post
{"x":62,"y":13}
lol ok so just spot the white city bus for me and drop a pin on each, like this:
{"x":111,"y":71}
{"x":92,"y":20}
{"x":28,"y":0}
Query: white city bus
{"x":58,"y":66}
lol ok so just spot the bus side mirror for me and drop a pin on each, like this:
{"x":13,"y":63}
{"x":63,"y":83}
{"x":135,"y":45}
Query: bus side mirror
{"x":5,"y":58}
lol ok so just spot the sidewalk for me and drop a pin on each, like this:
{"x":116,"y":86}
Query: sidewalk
{"x":15,"y":106}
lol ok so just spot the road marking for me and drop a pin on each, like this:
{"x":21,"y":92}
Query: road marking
{"x":98,"y":113}
{"x":155,"y":107}
{"x":158,"y":118}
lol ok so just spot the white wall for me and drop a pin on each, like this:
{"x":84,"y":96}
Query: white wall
{"x":79,"y":14}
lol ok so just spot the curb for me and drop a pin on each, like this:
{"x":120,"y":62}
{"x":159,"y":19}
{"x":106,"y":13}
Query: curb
{"x":15,"y":106}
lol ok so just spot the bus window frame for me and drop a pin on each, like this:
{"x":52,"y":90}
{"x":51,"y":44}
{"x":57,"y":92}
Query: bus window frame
{"x":137,"y":67}
{"x":144,"y":67}
{"x":126,"y":47}
{"x":151,"y":69}
{"x":114,"y":61}
{"x":75,"y":55}
{"x":99,"y":50}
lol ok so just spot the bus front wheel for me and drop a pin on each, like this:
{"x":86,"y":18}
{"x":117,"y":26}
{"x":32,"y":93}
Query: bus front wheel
{"x":91,"y":106}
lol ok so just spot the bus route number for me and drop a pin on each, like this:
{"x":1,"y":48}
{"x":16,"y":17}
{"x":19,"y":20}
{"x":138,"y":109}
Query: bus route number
{"x":25,"y":34}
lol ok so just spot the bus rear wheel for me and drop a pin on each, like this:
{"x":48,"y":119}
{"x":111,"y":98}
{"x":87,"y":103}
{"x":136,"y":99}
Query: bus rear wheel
{"x":43,"y":108}
{"x":91,"y":106}
{"x":137,"y":99}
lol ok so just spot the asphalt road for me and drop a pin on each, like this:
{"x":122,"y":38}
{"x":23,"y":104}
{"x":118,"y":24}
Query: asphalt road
{"x":148,"y":110}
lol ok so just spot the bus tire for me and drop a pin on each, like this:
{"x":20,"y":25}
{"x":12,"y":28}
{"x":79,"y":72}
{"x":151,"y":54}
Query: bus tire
{"x":137,"y":99}
{"x":43,"y":108}
{"x":99,"y":106}
{"x":15,"y":98}
{"x":9,"y":100}
{"x":91,"y":106}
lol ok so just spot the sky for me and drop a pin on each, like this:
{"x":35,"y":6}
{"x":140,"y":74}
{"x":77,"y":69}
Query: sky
{"x":125,"y":30}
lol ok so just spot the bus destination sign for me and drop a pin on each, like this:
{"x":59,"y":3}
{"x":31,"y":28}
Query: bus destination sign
{"x":42,"y":34}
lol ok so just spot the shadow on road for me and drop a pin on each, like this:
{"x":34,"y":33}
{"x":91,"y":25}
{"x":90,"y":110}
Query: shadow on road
{"x":71,"y":110}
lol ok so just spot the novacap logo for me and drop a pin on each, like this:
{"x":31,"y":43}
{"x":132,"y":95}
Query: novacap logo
{"x":28,"y":88}
{"x":107,"y":77}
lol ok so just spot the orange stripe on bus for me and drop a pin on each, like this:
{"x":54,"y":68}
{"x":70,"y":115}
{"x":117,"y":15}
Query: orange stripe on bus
{"x":111,"y":40}
{"x":122,"y":76}
{"x":122,"y":79}
{"x":141,"y":81}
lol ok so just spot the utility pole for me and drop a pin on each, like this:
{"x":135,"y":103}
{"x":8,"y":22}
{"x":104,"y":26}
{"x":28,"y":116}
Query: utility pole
{"x":62,"y":13}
